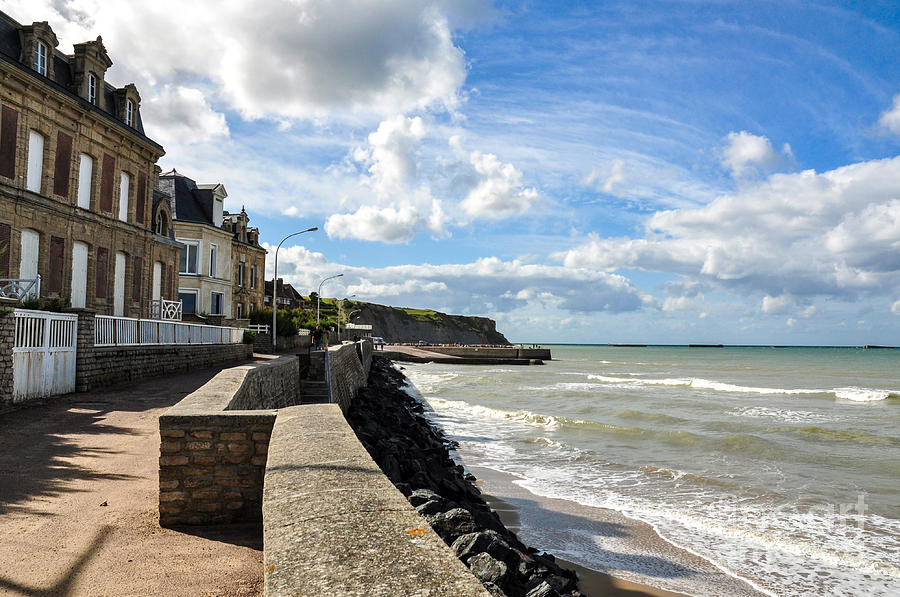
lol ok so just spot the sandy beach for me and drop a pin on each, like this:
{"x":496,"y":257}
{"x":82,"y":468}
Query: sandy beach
{"x":641,"y":563}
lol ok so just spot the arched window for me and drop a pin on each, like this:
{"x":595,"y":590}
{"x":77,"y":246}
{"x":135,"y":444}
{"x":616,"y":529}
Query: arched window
{"x":162,"y":223}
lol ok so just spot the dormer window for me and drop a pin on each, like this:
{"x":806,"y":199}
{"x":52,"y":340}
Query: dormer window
{"x":92,"y":88}
{"x":129,"y":112}
{"x":40,"y":58}
{"x":162,"y":224}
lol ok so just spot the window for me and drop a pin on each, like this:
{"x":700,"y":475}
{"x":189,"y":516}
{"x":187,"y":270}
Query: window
{"x":240,"y":310}
{"x":40,"y":58}
{"x":79,"y":273}
{"x":240,"y":274}
{"x":28,"y":257}
{"x":188,"y":300}
{"x":85,"y":174}
{"x":213,"y":254}
{"x":92,"y":88}
{"x":129,"y":112}
{"x":162,"y":224}
{"x":124,"y":186}
{"x":119,"y":285}
{"x":189,"y":257}
{"x":253,"y":276}
{"x":216,"y":300}
{"x":35,"y":161}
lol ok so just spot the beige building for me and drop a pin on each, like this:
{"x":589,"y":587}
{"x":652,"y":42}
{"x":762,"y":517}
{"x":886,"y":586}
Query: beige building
{"x":205,"y":264}
{"x":77,"y":175}
{"x":248,"y":265}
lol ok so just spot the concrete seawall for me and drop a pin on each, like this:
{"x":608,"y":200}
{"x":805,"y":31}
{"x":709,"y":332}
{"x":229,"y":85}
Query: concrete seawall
{"x":240,"y":448}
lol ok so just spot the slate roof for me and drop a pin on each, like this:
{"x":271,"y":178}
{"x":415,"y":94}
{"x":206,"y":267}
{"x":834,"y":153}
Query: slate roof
{"x":191,"y":202}
{"x":11,"y":50}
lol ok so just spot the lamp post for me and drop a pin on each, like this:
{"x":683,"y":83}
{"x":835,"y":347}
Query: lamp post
{"x":341,"y":313}
{"x":349,"y":315}
{"x":275,"y":286}
{"x":319,"y":294}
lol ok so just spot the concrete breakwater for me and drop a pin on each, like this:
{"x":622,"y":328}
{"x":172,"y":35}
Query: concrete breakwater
{"x":415,"y":457}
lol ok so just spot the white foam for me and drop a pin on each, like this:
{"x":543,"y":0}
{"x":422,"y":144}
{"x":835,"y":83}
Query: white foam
{"x":790,"y":416}
{"x":702,"y":384}
{"x":518,"y":416}
{"x":862,"y":394}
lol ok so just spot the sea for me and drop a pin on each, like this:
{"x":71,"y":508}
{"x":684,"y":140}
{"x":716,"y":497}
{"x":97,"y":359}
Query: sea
{"x":781,"y":466}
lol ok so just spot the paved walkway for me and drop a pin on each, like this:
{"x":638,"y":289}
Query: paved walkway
{"x":78,"y":503}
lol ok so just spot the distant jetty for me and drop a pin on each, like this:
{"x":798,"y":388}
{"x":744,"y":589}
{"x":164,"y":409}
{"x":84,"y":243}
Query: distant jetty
{"x":867,"y":346}
{"x":706,"y":345}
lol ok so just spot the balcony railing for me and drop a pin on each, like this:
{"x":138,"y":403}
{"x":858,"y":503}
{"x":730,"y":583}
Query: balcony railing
{"x":126,"y":331}
{"x":20,"y":288}
{"x":165,"y":310}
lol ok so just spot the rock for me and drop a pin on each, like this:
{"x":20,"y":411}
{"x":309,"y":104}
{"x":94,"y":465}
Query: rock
{"x":453,"y":523}
{"x":487,"y":569}
{"x":542,"y":590}
{"x":420,"y":496}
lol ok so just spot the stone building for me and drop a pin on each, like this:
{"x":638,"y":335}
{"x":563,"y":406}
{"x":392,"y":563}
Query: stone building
{"x":248,"y":265}
{"x":205,"y":262}
{"x":77,"y":174}
{"x":288,"y":297}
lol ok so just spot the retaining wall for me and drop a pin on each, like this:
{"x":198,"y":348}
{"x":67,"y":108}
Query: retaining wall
{"x":7,"y":340}
{"x":213,"y":444}
{"x":97,"y":367}
{"x":333,"y":524}
{"x":263,"y":343}
{"x":347,"y":370}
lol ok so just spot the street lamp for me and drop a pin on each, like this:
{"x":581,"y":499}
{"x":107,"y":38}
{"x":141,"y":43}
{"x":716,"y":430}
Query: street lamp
{"x":341,"y":313}
{"x":319,"y":294}
{"x":275,"y":286}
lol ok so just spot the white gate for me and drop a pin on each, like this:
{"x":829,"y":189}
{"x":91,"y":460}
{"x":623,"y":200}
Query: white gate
{"x":43,"y":354}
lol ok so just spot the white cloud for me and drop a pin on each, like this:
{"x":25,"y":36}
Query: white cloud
{"x":182,"y":116}
{"x":487,"y":285}
{"x":292,"y":59}
{"x":890,"y":118}
{"x":608,"y":178}
{"x":776,"y":304}
{"x":386,"y":224}
{"x":390,"y":156}
{"x":831,"y":234}
{"x":746,"y":153}
{"x":895,"y":307}
{"x":497,"y":192}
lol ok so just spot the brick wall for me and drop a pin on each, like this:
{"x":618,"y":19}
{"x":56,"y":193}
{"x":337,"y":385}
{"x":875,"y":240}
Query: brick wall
{"x":263,"y":343}
{"x":213,"y":444}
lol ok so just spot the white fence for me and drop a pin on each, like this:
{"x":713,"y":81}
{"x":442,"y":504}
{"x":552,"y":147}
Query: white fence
{"x":165,"y":310}
{"x":44,"y":354}
{"x":20,"y":288}
{"x":126,"y":331}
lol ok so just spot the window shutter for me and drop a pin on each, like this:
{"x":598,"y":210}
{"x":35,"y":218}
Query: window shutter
{"x":106,"y":183}
{"x":4,"y":250}
{"x":9,"y":129}
{"x":102,"y":272}
{"x":141,"y":199}
{"x":63,"y":165}
{"x":55,"y":275}
{"x":169,"y":276}
{"x":136,"y":276}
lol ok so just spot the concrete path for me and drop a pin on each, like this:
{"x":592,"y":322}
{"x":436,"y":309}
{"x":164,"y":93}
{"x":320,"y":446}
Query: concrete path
{"x":78,"y":503}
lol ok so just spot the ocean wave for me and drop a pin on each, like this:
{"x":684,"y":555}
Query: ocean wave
{"x":854,"y":435}
{"x":518,"y":416}
{"x":864,"y":394}
{"x":790,"y":416}
{"x":849,"y":393}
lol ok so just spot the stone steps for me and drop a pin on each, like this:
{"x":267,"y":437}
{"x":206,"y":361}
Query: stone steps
{"x":313,"y":392}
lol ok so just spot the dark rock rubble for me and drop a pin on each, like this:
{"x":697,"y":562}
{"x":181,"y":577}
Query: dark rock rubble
{"x":415,"y":456}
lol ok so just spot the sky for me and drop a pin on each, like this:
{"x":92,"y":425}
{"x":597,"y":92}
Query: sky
{"x":630,"y":172}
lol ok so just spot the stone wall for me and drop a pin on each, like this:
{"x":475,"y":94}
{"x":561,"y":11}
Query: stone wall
{"x":97,"y":367}
{"x":7,"y":339}
{"x":347,"y":370}
{"x":213,"y":444}
{"x":263,"y":343}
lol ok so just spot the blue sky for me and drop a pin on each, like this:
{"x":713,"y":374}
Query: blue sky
{"x":666,"y":172}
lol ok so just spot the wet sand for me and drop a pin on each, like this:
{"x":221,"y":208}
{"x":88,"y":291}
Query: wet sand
{"x":614,"y":555}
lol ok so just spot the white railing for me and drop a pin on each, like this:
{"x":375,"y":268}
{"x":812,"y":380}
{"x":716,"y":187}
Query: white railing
{"x":165,"y":310}
{"x":303,"y":332}
{"x":20,"y":288}
{"x":259,"y":328}
{"x":126,"y":331}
